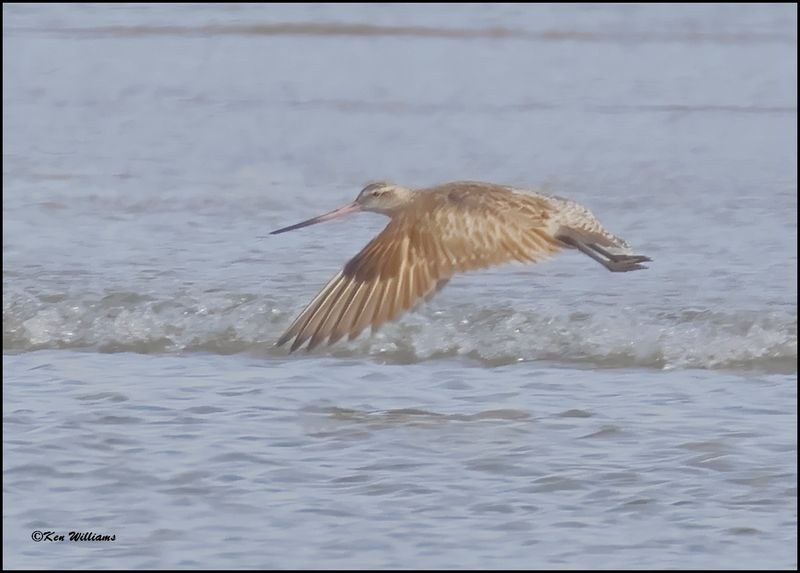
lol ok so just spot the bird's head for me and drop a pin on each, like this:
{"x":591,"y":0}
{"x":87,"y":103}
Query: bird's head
{"x":381,"y":197}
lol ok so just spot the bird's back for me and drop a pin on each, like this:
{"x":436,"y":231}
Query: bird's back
{"x":475,"y":200}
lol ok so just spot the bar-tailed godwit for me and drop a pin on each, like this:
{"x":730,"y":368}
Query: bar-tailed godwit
{"x":435,"y":233}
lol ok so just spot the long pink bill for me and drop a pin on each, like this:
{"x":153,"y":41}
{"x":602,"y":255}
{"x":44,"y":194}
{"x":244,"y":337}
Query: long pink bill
{"x":340,"y":212}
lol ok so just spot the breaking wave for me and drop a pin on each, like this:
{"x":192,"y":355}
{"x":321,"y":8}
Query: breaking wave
{"x":492,"y":334}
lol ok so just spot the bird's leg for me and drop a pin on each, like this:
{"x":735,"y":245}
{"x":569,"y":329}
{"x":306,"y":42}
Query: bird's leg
{"x":619,"y":257}
{"x":615,"y":266}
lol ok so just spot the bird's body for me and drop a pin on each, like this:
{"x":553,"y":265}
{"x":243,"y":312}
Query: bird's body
{"x":435,"y":233}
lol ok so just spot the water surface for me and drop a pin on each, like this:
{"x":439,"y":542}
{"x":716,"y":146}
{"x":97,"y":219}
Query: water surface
{"x":554,"y":415}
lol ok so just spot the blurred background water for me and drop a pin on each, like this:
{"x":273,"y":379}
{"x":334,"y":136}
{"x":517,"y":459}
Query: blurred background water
{"x":554,"y":415}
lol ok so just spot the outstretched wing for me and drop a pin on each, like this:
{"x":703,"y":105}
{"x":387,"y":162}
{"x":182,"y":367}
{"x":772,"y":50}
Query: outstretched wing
{"x":416,"y":254}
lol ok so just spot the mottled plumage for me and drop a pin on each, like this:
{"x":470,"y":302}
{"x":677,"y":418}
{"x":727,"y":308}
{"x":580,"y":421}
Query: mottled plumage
{"x":435,"y":233}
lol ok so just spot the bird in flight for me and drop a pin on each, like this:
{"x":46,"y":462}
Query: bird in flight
{"x":435,"y":233}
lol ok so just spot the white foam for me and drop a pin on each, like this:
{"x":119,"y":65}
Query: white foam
{"x":227,"y":323}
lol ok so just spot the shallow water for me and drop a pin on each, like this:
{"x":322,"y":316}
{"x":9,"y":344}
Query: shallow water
{"x":554,"y":415}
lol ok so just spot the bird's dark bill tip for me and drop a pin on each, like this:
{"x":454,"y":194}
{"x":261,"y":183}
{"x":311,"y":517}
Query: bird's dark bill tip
{"x":335,"y":214}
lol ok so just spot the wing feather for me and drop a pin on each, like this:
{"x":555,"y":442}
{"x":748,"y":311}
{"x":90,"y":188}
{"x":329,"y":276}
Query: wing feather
{"x":304,"y":316}
{"x":319,"y":313}
{"x":360,"y":317}
{"x":342,"y":326}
